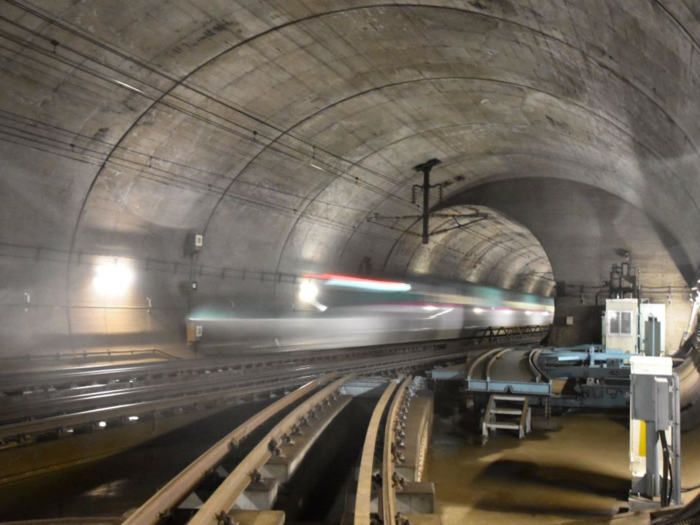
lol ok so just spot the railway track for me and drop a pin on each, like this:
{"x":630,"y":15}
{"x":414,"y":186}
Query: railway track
{"x":273,"y":459}
{"x":84,"y":399}
{"x":49,"y":384}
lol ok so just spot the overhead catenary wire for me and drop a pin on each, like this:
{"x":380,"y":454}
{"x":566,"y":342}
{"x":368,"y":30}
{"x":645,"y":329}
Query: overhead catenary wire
{"x":246,"y":133}
{"x":194,"y":183}
{"x":64,"y":54}
{"x":92,"y":155}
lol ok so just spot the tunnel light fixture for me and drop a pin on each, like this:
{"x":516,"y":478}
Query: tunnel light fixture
{"x":133,"y":418}
{"x":113,"y":279}
{"x":430,"y":308}
{"x":478,"y":310}
{"x":102,"y":424}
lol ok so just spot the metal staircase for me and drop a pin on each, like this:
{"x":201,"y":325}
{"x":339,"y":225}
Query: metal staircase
{"x":506,"y":412}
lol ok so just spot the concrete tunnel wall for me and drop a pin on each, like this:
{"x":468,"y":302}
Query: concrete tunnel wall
{"x":591,"y":232}
{"x":124,"y":128}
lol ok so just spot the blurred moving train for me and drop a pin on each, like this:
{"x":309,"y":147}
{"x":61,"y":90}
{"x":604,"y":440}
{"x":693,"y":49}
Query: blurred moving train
{"x":334,"y":311}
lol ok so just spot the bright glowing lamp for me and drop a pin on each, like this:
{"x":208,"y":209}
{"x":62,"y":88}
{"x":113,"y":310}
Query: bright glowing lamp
{"x":478,"y":310}
{"x":528,"y":312}
{"x":308,"y":292}
{"x":113,"y":279}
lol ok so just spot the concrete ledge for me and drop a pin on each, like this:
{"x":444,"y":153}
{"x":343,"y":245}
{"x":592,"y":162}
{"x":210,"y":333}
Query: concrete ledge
{"x":282,"y":468}
{"x":259,"y":496}
{"x":416,"y":498}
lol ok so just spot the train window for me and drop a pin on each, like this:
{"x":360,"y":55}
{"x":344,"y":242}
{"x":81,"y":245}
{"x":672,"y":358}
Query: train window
{"x":620,"y":323}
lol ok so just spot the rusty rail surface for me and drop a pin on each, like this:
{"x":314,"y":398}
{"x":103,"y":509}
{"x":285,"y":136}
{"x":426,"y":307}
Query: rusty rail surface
{"x":180,"y":486}
{"x":225,"y":496}
{"x":391,"y":451}
{"x":363,"y":496}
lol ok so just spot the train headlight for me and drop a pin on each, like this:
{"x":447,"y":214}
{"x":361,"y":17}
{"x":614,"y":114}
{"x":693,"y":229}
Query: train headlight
{"x":308,"y":292}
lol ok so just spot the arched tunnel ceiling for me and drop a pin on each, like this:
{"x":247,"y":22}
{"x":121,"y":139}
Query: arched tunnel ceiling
{"x":278,"y":128}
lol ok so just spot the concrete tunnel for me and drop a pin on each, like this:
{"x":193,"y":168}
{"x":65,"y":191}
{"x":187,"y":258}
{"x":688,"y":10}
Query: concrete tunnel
{"x":286,"y":135}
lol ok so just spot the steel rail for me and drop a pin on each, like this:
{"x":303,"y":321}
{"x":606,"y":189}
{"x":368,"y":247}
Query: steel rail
{"x":85,"y":376}
{"x":181,"y":485}
{"x":135,"y":409}
{"x":363,"y":497}
{"x":237,"y":363}
{"x":533,"y":359}
{"x":35,"y":408}
{"x":389,"y":456}
{"x":47,"y":408}
{"x":17,"y":410}
{"x":478,"y":360}
{"x":493,"y":361}
{"x":400,"y":362}
{"x":148,"y":371}
{"x":225,"y":496}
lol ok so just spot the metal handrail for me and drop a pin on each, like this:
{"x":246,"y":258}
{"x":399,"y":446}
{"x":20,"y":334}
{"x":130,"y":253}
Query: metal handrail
{"x":363,"y":497}
{"x":225,"y":496}
{"x":88,"y":354}
{"x":177,"y":489}
{"x":388,"y":488}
